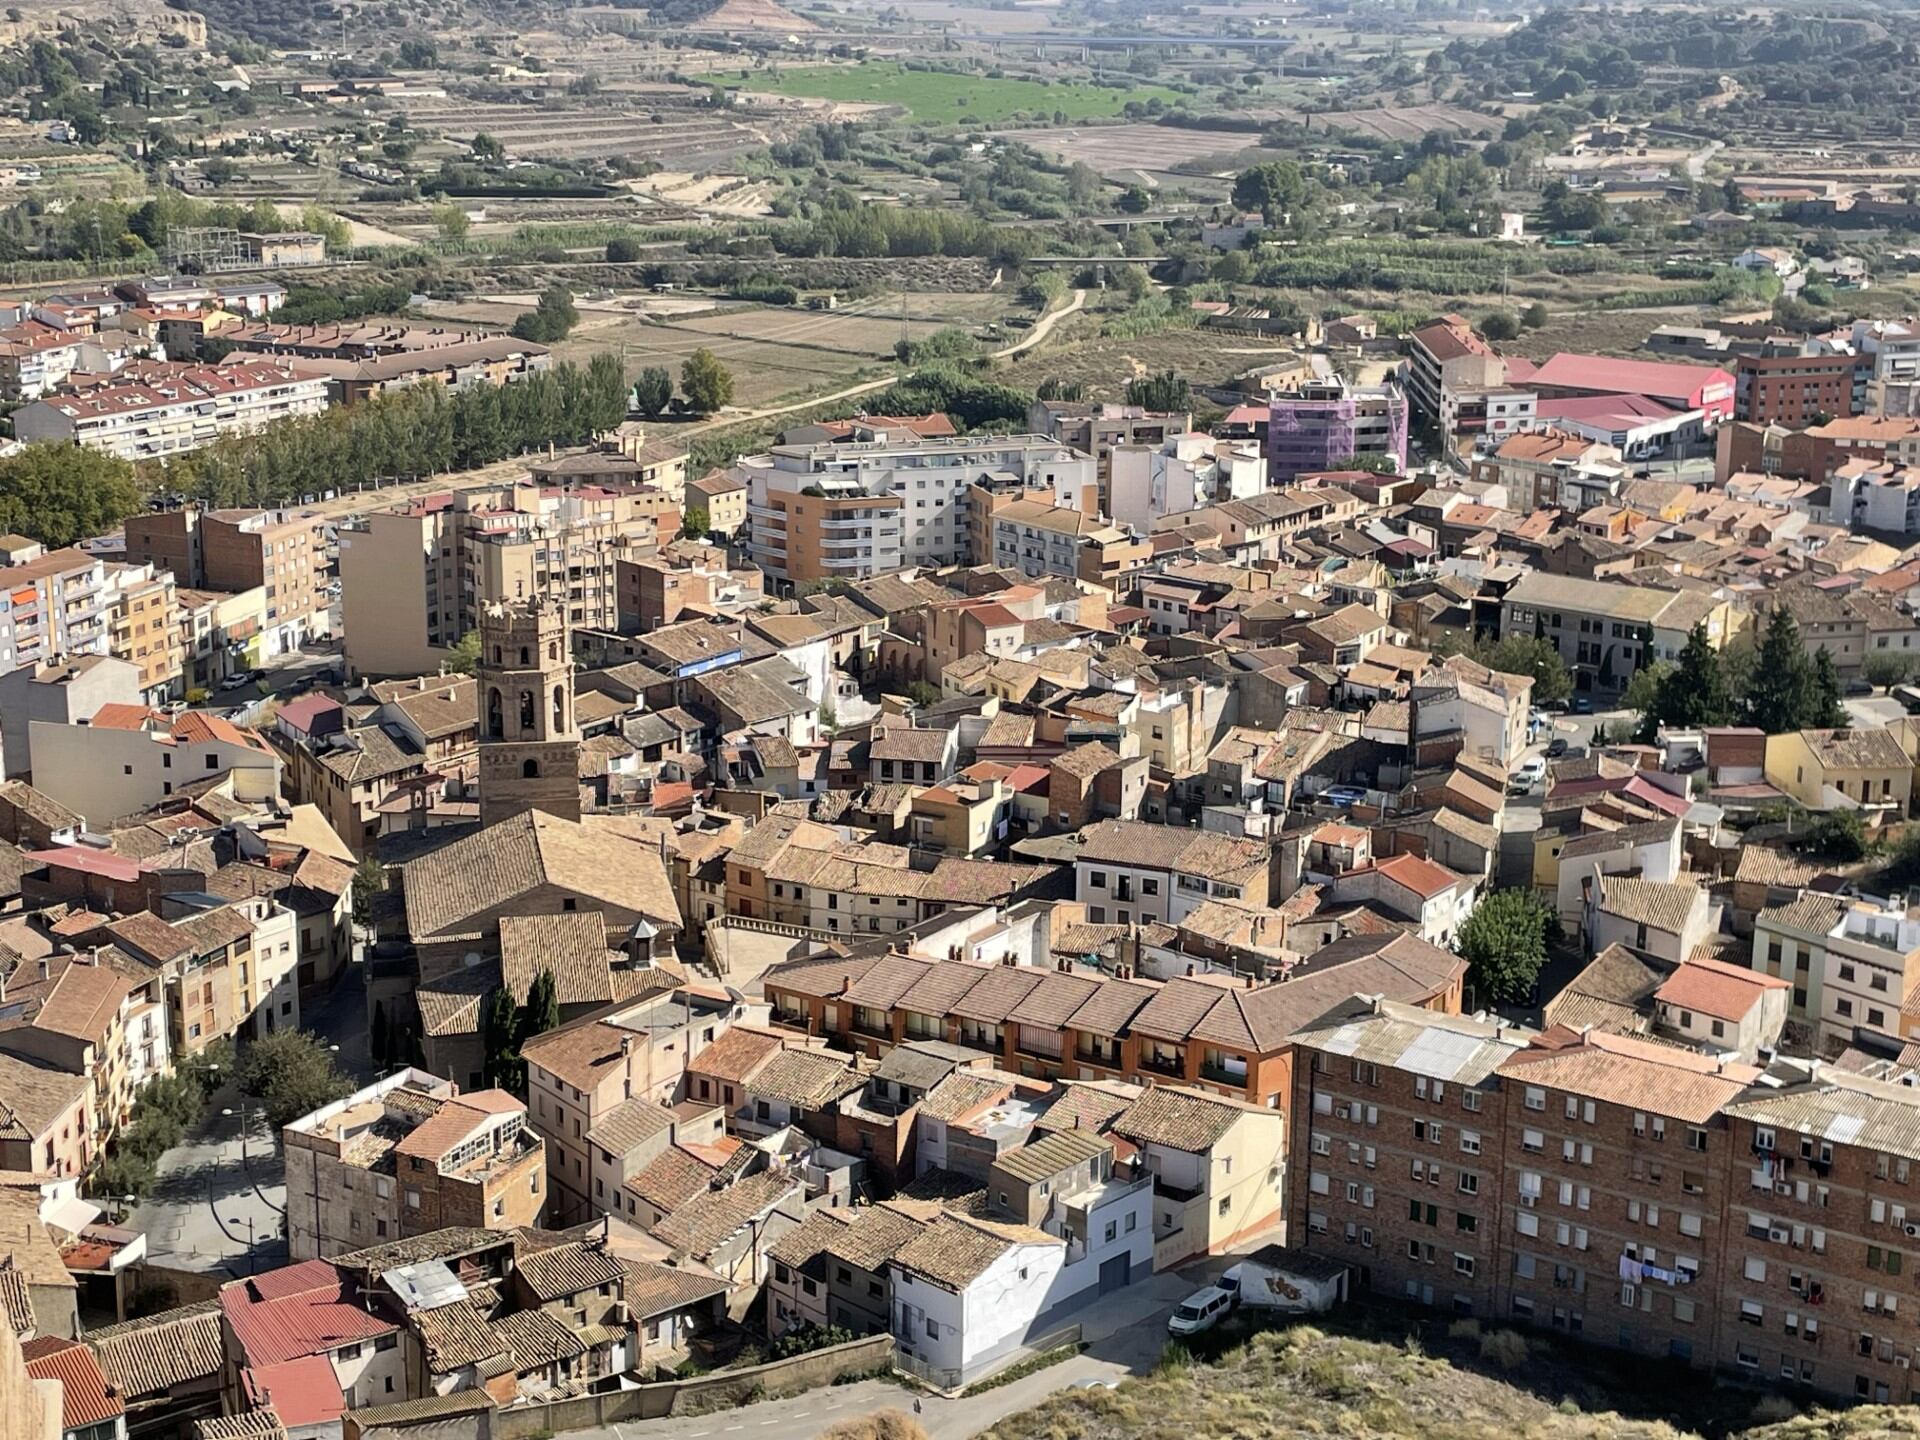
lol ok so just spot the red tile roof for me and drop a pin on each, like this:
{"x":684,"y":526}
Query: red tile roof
{"x":1727,"y":992}
{"x":86,"y":1398}
{"x":1422,"y":877}
{"x":1657,"y":379}
{"x":304,"y":1309}
{"x":115,"y":716}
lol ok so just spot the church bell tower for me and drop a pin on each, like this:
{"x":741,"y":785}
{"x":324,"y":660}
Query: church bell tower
{"x":529,"y":739}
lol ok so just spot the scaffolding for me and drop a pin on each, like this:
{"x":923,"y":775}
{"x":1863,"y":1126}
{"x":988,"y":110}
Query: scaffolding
{"x":1321,"y":424}
{"x":204,"y":250}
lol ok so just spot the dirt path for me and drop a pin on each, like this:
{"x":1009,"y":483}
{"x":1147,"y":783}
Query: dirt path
{"x":1042,"y":328}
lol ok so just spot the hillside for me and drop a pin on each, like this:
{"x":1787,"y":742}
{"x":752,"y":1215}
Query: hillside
{"x":1311,"y":1383}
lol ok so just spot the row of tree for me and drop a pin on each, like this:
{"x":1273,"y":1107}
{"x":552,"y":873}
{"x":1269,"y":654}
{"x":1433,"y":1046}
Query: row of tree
{"x":421,"y":430}
{"x":1777,"y":687}
{"x":507,"y":1027}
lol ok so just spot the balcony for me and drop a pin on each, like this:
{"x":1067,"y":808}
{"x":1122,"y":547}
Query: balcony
{"x":1163,"y":1063}
{"x":1224,"y":1072}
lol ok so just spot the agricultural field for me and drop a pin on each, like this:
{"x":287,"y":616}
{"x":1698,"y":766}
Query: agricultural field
{"x":1151,"y":154}
{"x":774,"y":354}
{"x":1078,"y":354}
{"x":1410,"y":123}
{"x":683,"y":137}
{"x":937,"y":97}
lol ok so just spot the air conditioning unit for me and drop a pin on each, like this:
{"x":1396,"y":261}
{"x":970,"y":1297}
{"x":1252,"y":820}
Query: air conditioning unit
{"x":1529,"y":1200}
{"x":1781,"y":1187}
{"x":1902,"y":1362}
{"x":1911,"y":1228}
{"x":1777,"y":1235}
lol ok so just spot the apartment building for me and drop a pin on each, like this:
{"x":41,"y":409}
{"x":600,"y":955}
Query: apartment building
{"x":415,"y":579}
{"x":1211,"y":1032}
{"x":1094,"y":429}
{"x":361,"y":360}
{"x":37,"y":358}
{"x":1606,"y":632}
{"x":52,"y":604}
{"x":1038,"y":538}
{"x":143,"y":629}
{"x":1397,"y":1117}
{"x":281,"y":553}
{"x":1550,"y":468}
{"x":1323,"y":424}
{"x":126,"y":759}
{"x":1818,"y":1205}
{"x":405,"y":1156}
{"x":1446,"y":356}
{"x":153,"y":410}
{"x":1129,"y":870}
{"x":1799,"y":390}
{"x":853,"y":511}
{"x":1853,"y":963}
{"x":86,"y":1016}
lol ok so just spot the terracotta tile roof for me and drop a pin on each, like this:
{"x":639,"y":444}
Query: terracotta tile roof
{"x":1856,"y":749}
{"x":1179,"y":1118}
{"x":806,"y":1078}
{"x":956,"y":1250}
{"x":1638,"y":1074}
{"x":1052,"y":1003}
{"x":1714,"y":988}
{"x":875,"y":1235}
{"x":738,"y":1054}
{"x":654,"y":1289}
{"x":884,"y":982}
{"x":707,"y":1220}
{"x":573,"y":945}
{"x":86,"y":1398}
{"x":17,"y":1302}
{"x":629,"y":1125}
{"x":998,"y":993}
{"x":812,"y":1236}
{"x":151,"y":1355}
{"x":457,"y":1335}
{"x":567,"y":1270}
{"x":537,"y":1339}
{"x":1111,"y":1008}
{"x":671,"y":1178}
{"x":1653,"y":903}
{"x":965,"y":1093}
{"x":1087,"y":1106}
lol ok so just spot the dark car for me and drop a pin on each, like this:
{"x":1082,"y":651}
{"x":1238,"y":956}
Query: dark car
{"x":1556,"y":747}
{"x":1857,"y":686}
{"x":1583,"y":704}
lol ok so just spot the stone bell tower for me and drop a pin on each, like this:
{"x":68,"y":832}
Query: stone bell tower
{"x":529,"y":740}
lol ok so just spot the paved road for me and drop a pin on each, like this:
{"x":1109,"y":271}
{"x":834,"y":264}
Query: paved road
{"x":1125,"y":1332}
{"x":1042,"y":328}
{"x":219,"y":1201}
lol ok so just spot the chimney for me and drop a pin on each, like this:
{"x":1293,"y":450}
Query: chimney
{"x":626,"y":1047}
{"x":45,"y":967}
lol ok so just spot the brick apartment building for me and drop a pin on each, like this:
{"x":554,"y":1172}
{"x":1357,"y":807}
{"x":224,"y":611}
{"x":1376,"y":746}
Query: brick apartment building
{"x":282,"y":552}
{"x":1632,"y":1194}
{"x":1798,"y":390}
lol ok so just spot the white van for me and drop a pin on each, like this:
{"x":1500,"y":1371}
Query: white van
{"x":1201,"y":1310}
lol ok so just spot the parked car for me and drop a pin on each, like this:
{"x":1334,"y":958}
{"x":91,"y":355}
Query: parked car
{"x":1556,"y":747}
{"x":1345,"y":796}
{"x":1583,"y":704}
{"x":1528,"y":777}
{"x":1201,"y":1310}
{"x":1230,"y":1282}
{"x":1909,"y":698}
{"x":236,"y":682}
{"x":1857,"y":686}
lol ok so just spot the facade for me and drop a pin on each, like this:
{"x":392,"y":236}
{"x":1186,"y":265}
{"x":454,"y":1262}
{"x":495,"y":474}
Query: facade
{"x":169,"y":410}
{"x":67,"y":692}
{"x":54,"y":605}
{"x":1854,"y":965}
{"x":1324,"y":423}
{"x":1605,"y":632}
{"x":404,"y":1157}
{"x":1798,"y":390}
{"x":852,"y":511}
{"x":281,"y":553}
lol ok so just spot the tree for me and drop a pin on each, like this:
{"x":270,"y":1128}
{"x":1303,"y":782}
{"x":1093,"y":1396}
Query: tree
{"x":1780,"y":691}
{"x":1134,"y":201}
{"x":1500,"y":325}
{"x":464,"y":655}
{"x":292,"y":1073}
{"x":1516,"y":655}
{"x":1643,"y":692}
{"x":380,"y":1033}
{"x":1535,"y":316}
{"x":58,"y":494}
{"x":623,"y":250}
{"x":1884,"y":668}
{"x":369,"y":879}
{"x":693,"y":522}
{"x":452,"y":220}
{"x":1504,"y":942}
{"x":1839,"y":835}
{"x":485,"y":147}
{"x":1273,"y":189}
{"x":1369,"y":464}
{"x":1164,"y":393}
{"x":541,"y":1013}
{"x":1686,"y":694}
{"x":500,"y":1044}
{"x":652,"y":390}
{"x":920,"y":692}
{"x":1903,"y":866}
{"x":1825,"y":712}
{"x":807,"y":1337}
{"x":552,"y":318}
{"x":707,"y":383}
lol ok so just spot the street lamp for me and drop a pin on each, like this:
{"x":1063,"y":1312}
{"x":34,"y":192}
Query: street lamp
{"x":252,"y":1261}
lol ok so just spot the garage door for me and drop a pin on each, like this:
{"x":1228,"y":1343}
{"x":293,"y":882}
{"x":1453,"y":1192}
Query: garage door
{"x":1115,"y":1273}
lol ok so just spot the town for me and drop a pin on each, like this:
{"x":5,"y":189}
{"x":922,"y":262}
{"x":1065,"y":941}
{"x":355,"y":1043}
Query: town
{"x":686,"y":745}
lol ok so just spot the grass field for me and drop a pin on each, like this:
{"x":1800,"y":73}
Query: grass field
{"x":936,"y":96}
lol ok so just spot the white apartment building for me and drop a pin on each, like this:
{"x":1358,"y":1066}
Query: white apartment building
{"x":1852,"y":963}
{"x":854,"y":510}
{"x":156,"y":410}
{"x":1180,"y":475}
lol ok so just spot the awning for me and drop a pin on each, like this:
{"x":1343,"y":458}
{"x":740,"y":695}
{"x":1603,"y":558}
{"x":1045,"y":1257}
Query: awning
{"x":71,"y":1215}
